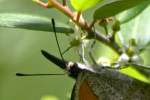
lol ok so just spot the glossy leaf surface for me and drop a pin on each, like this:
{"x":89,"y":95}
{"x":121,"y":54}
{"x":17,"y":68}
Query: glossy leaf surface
{"x":81,"y":5}
{"x":31,"y":22}
{"x":130,"y":14}
{"x":110,"y":8}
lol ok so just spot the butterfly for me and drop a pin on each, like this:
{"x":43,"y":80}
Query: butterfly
{"x":98,"y":82}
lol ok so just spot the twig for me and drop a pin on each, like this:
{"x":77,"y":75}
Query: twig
{"x":64,"y":2}
{"x":100,"y":37}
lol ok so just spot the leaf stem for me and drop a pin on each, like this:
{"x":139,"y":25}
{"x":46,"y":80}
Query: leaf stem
{"x":64,"y":2}
{"x":83,"y":24}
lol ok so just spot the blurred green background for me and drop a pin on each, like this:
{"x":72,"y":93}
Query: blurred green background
{"x":20,"y":52}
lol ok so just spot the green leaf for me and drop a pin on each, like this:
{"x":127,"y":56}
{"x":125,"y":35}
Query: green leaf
{"x":128,"y":15}
{"x":110,"y":8}
{"x":132,"y":72}
{"x":31,"y":22}
{"x":81,"y":5}
{"x":138,"y":29}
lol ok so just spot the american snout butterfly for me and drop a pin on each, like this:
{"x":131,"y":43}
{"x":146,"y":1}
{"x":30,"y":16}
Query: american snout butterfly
{"x":94,"y":83}
{"x":98,"y":83}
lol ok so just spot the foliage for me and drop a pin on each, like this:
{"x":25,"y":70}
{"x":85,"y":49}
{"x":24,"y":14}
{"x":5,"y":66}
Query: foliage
{"x":81,"y":5}
{"x":118,"y":24}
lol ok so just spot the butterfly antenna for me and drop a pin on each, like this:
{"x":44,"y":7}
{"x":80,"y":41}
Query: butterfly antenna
{"x":54,"y":29}
{"x":21,"y":74}
{"x":60,"y":62}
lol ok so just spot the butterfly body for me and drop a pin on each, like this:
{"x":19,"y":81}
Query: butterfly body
{"x":112,"y":85}
{"x":98,"y":83}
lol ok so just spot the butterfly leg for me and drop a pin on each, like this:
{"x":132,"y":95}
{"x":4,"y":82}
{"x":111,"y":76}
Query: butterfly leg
{"x":82,"y":55}
{"x":90,"y":52}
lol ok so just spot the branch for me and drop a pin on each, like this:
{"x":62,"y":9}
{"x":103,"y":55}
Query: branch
{"x":81,"y":23}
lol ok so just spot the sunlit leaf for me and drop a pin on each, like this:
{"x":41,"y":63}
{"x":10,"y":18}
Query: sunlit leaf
{"x":81,"y":5}
{"x":31,"y":22}
{"x":47,"y":97}
{"x":110,"y":8}
{"x":132,"y":72}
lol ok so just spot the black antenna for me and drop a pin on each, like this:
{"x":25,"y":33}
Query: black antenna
{"x":21,"y":74}
{"x":57,"y":61}
{"x":54,"y":28}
